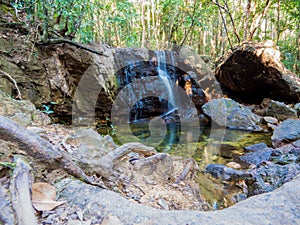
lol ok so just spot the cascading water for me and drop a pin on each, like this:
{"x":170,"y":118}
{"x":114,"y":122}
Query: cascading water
{"x":172,"y":130}
{"x":163,"y":74}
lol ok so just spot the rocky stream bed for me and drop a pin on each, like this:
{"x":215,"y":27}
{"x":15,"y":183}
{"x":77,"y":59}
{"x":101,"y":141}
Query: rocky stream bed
{"x":137,"y":177}
{"x":58,"y":167}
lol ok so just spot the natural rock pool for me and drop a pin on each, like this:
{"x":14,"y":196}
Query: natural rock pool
{"x":206,"y":149}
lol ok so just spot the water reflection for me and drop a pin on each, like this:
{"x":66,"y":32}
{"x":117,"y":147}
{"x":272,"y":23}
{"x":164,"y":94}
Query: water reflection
{"x":188,"y":143}
{"x":200,"y":145}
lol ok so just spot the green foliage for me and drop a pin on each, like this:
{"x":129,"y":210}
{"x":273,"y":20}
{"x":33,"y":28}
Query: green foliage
{"x":48,"y":108}
{"x":8,"y":165}
{"x":197,"y":23}
{"x":289,"y":55}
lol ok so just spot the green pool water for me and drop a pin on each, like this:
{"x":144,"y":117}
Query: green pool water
{"x":205,"y":145}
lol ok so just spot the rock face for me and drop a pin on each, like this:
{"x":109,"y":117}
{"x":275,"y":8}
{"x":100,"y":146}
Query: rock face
{"x":22,"y":111}
{"x":50,"y":76}
{"x":227,"y":112}
{"x":253,"y":71}
{"x":286,"y":132}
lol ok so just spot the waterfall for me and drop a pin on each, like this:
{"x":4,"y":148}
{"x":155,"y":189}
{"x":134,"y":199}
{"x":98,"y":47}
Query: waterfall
{"x":163,"y":74}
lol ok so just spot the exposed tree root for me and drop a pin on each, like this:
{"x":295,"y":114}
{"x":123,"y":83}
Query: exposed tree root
{"x":60,"y":41}
{"x":190,"y":166}
{"x":40,"y":149}
{"x":108,"y":161}
{"x":20,"y":192}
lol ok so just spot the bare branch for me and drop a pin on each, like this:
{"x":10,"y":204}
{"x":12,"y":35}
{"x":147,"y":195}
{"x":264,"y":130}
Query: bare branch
{"x":232,"y":22}
{"x":226,"y":9}
{"x":19,"y":96}
{"x":259,"y":20}
{"x":224,"y":22}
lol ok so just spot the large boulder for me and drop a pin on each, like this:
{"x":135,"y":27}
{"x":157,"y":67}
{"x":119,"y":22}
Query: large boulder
{"x":228,"y":113}
{"x":253,"y":71}
{"x":286,"y":132}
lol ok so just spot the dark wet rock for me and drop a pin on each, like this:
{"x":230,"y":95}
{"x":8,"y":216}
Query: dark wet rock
{"x":258,"y":156}
{"x":275,"y":109}
{"x":269,"y":176}
{"x":227,"y":112}
{"x":286,"y":132}
{"x":224,"y":172}
{"x":297,"y":109}
{"x":277,"y":207}
{"x":286,"y":154}
{"x":256,"y":147}
{"x":227,"y":151}
{"x":253,"y":71}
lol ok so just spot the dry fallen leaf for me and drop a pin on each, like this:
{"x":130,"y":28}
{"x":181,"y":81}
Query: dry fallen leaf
{"x":43,"y":197}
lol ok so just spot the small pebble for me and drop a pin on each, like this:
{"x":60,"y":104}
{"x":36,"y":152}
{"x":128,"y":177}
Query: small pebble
{"x":234,"y":165}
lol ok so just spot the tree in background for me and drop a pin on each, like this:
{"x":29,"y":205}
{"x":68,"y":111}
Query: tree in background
{"x":209,"y":27}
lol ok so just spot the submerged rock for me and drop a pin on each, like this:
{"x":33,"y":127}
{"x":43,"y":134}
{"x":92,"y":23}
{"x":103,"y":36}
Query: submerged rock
{"x":227,"y":112}
{"x":286,"y":132}
{"x":224,"y":172}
